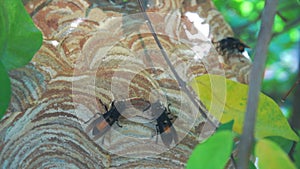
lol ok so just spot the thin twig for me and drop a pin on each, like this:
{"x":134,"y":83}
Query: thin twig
{"x":182,"y":84}
{"x":290,"y":25}
{"x":37,"y":9}
{"x":233,"y":161}
{"x":264,"y":38}
{"x":291,"y":89}
{"x":282,"y":17}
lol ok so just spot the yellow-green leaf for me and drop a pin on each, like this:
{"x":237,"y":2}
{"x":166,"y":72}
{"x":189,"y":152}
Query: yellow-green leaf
{"x":271,"y":156}
{"x":270,"y":120}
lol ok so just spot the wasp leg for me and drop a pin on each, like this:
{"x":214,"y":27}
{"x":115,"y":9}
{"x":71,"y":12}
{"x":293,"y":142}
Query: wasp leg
{"x":169,"y":107}
{"x":117,"y":122}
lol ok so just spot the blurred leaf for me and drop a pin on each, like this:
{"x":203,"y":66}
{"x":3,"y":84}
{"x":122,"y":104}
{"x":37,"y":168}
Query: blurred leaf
{"x":289,"y":9}
{"x":5,"y":90}
{"x":251,"y":165}
{"x":283,"y":143}
{"x":212,"y":154}
{"x":270,"y":156}
{"x":260,"y":5}
{"x":296,"y":155}
{"x":294,"y":35}
{"x":270,"y":120}
{"x":246,"y":8}
{"x":278,"y":24}
{"x":21,"y":39}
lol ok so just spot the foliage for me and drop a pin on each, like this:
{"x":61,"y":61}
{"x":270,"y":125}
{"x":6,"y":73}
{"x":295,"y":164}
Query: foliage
{"x":244,"y":18}
{"x":19,"y":41}
{"x":270,"y":122}
{"x":4,"y":90}
{"x":296,"y":154}
{"x":270,"y":155}
{"x":212,"y":154}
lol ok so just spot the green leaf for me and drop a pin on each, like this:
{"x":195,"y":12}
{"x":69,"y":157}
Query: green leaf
{"x":270,"y":120}
{"x":212,"y":153}
{"x":246,"y":8}
{"x":296,"y":154}
{"x":270,"y":155}
{"x":251,"y":165}
{"x":5,"y":90}
{"x":283,"y":143}
{"x":226,"y":126}
{"x":20,"y":39}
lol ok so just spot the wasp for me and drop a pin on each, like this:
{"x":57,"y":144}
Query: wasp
{"x":164,"y":126}
{"x":231,"y":45}
{"x":103,"y":123}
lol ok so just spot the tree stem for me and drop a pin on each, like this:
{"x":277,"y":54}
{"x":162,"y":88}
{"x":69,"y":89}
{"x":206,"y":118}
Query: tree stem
{"x":256,"y":75}
{"x":181,"y":83}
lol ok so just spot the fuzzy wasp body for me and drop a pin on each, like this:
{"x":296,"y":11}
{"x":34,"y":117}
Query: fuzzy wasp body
{"x":229,"y":47}
{"x":103,"y":123}
{"x":232,"y":45}
{"x":164,"y":126}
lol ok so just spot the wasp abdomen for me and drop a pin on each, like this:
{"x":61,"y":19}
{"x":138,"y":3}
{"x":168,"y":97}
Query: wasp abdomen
{"x":103,"y":123}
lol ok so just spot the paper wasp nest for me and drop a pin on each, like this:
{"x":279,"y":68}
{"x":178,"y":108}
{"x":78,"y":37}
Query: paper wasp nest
{"x":103,"y":50}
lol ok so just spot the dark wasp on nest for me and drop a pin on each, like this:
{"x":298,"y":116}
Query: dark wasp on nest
{"x":230,"y":46}
{"x":102,"y":124}
{"x":164,"y":126}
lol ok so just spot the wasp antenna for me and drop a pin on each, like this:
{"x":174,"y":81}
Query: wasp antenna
{"x":169,"y":107}
{"x":106,"y":109}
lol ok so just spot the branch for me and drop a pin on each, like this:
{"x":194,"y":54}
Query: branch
{"x":264,"y":37}
{"x":36,"y":10}
{"x":282,"y":17}
{"x":182,"y":84}
{"x":289,"y":26}
{"x":291,"y":89}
